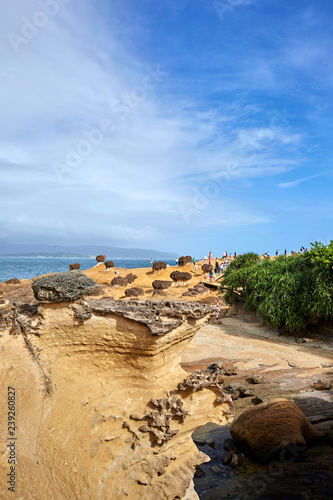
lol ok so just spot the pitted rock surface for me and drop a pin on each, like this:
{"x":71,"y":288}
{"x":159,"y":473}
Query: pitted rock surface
{"x":160,"y":316}
{"x":63,"y":287}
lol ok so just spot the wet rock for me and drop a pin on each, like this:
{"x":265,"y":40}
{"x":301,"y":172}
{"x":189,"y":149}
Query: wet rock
{"x":210,"y":441}
{"x":134,"y":292}
{"x":199,"y":472}
{"x":268,"y":428}
{"x":255,"y":379}
{"x":73,"y":267}
{"x":258,"y":400}
{"x":62,"y":287}
{"x":216,"y":469}
{"x":329,"y":437}
{"x":100,"y":258}
{"x":13,"y":281}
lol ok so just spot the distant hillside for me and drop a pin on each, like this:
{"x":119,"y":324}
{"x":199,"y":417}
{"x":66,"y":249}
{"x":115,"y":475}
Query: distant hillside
{"x":16,"y":250}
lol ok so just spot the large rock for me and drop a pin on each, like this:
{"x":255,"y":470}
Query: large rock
{"x":13,"y":281}
{"x":181,"y":277}
{"x":134,"y":292}
{"x":161,"y":285}
{"x":73,"y":267}
{"x":62,"y":287}
{"x":269,"y":428}
{"x":100,"y":258}
{"x":119,"y":281}
{"x":159,"y":266}
{"x":183,"y":261}
{"x":109,"y":264}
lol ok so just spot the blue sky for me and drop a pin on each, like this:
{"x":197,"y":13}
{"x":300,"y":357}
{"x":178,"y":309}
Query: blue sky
{"x":188,"y":126}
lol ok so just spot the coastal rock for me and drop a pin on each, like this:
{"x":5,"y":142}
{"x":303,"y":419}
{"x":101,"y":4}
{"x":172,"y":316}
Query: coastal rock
{"x":322,"y":385}
{"x":100,"y":258}
{"x":109,"y":264}
{"x":199,"y":289}
{"x":134,"y":292}
{"x":119,"y":281}
{"x":161,"y":285}
{"x":13,"y":281}
{"x":206,"y":268}
{"x":62,"y":287}
{"x":255,"y":379}
{"x":269,"y":428}
{"x":131,"y":278}
{"x":102,"y":416}
{"x":73,"y":267}
{"x":159,"y":266}
{"x":181,"y":277}
{"x":185,"y":260}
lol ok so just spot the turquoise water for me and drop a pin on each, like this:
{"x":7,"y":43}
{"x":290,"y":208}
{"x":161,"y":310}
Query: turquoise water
{"x":29,"y":267}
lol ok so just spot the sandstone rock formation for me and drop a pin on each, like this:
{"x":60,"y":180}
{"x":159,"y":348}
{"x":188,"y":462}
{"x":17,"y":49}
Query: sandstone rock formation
{"x":207,"y":268}
{"x":134,"y":292}
{"x":159,"y":266}
{"x":270,"y":428}
{"x":100,"y":258}
{"x":73,"y":267}
{"x":161,"y":285}
{"x":119,"y":281}
{"x":185,"y":260}
{"x":13,"y":281}
{"x":99,"y":414}
{"x":181,"y":277}
{"x":199,"y":289}
{"x":109,"y":264}
{"x":131,"y":278}
{"x":62,"y":287}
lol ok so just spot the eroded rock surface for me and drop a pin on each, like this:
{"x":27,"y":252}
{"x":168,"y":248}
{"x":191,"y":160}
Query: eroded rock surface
{"x":63,"y":287}
{"x":99,"y":409}
{"x":270,"y":427}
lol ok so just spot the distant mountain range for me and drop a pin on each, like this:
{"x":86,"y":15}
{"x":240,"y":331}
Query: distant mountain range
{"x":42,"y":250}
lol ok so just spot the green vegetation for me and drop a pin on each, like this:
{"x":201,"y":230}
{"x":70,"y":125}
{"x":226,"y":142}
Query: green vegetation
{"x":288,"y":292}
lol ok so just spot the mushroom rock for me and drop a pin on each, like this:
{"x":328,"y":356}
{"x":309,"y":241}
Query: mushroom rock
{"x":184,"y":261}
{"x":159,"y":266}
{"x":109,"y":264}
{"x":100,"y":258}
{"x":73,"y":267}
{"x":206,"y":268}
{"x":134,"y":292}
{"x":63,"y":287}
{"x":159,"y":292}
{"x":102,"y":415}
{"x":199,"y":289}
{"x":161,"y":285}
{"x":273,"y":427}
{"x":180,"y":277}
{"x":131,"y":278}
{"x":13,"y":281}
{"x":119,"y":281}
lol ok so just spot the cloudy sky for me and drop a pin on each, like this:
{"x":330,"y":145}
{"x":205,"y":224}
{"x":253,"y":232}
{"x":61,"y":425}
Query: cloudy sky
{"x":189,"y":126}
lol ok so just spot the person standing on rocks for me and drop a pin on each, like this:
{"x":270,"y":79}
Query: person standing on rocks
{"x":209,"y":257}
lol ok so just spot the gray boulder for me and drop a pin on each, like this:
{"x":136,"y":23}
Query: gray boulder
{"x":63,"y":287}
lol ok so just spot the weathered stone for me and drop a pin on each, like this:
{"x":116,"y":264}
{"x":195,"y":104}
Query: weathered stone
{"x":101,"y":258}
{"x":159,"y":266}
{"x":180,"y":277}
{"x":13,"y":281}
{"x":62,"y":287}
{"x":161,"y":285}
{"x":119,"y":281}
{"x":131,"y":278}
{"x":134,"y":292}
{"x":206,"y":268}
{"x":108,"y":264}
{"x":255,"y":379}
{"x":183,"y":261}
{"x":268,"y":428}
{"x":247,"y":392}
{"x":322,"y":385}
{"x":73,"y":267}
{"x":229,"y":369}
{"x":159,"y":316}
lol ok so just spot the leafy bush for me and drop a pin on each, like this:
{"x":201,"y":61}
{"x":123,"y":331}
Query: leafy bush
{"x":289,"y":292}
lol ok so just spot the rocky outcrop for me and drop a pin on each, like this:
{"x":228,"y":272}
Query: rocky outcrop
{"x":185,"y":260}
{"x":109,"y":264}
{"x":119,"y":281}
{"x":181,"y":277}
{"x":199,"y":289}
{"x":62,"y":287}
{"x":100,"y":258}
{"x":207,"y":268}
{"x":13,"y":281}
{"x":73,"y":267}
{"x":131,"y":278}
{"x":161,"y":285}
{"x":159,"y":266}
{"x":270,"y":428}
{"x":102,"y":416}
{"x":134,"y":292}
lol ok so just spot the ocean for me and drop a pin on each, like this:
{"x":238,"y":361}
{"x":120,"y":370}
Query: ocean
{"x":30,"y":267}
